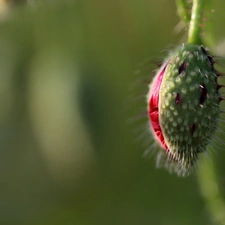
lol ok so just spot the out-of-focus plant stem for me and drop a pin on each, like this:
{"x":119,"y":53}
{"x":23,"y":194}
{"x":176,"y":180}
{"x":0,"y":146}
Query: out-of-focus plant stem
{"x":209,"y":185}
{"x":207,"y":174}
{"x":183,"y":8}
{"x":209,"y":37}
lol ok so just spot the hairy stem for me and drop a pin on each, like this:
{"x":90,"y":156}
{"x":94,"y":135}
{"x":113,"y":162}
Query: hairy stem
{"x":195,"y":29}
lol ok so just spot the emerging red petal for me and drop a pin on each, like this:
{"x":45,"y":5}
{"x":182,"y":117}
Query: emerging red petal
{"x":153,"y":109}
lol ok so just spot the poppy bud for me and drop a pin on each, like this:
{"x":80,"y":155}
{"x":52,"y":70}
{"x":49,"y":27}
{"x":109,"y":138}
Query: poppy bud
{"x":183,"y":105}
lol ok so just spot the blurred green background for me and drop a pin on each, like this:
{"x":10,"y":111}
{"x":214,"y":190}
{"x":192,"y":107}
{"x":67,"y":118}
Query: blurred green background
{"x":70,"y":145}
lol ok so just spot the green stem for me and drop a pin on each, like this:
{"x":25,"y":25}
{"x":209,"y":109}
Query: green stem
{"x":194,"y":34}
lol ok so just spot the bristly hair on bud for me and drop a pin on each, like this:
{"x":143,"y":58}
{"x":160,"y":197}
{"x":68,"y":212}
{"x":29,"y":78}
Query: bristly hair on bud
{"x":182,"y":102}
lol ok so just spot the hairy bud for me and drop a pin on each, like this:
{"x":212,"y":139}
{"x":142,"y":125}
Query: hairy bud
{"x":183,"y":103}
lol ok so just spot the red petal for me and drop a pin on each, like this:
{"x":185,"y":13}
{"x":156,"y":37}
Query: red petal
{"x":154,"y":110}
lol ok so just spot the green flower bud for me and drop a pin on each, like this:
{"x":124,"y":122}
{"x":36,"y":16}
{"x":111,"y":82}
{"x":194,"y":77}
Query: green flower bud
{"x":183,"y":103}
